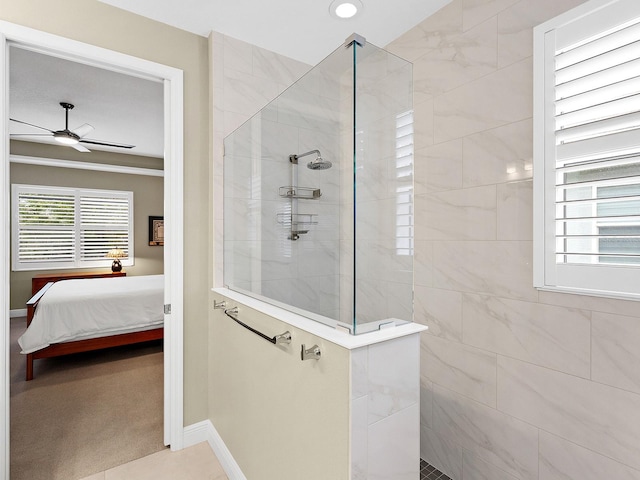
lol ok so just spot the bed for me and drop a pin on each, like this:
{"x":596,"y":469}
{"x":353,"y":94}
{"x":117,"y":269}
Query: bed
{"x":81,"y":315}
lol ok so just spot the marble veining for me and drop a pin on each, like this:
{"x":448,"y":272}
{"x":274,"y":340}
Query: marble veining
{"x":515,"y":24}
{"x":500,"y":439}
{"x":592,"y":415}
{"x":497,"y":155}
{"x":597,"y":304}
{"x":515,"y":211}
{"x":553,"y":337}
{"x":423,"y":126}
{"x":389,"y":392}
{"x":442,"y":452}
{"x":359,"y":435}
{"x":463,"y":369}
{"x":236,"y":54}
{"x":474,"y":468}
{"x":359,"y":371}
{"x":423,"y":263}
{"x":438,"y":167}
{"x":468,"y":214}
{"x":465,"y":57}
{"x":561,"y":460}
{"x":440,"y":310}
{"x":397,"y":459}
{"x":430,"y":35}
{"x":243,"y":92}
{"x":274,"y":67}
{"x":477,"y":11}
{"x":426,"y":401}
{"x":496,"y":99}
{"x":615,"y":354}
{"x":501,"y":268}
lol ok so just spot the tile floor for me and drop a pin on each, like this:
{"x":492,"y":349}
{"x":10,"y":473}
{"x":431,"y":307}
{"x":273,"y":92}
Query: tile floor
{"x":429,"y":472}
{"x":194,"y":463}
{"x":197,"y":463}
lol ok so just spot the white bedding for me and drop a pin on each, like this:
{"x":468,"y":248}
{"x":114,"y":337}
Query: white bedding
{"x":95,"y":307}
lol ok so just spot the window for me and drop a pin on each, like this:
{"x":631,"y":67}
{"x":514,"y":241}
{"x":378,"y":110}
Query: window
{"x":587,"y":150}
{"x":404,"y":176}
{"x":55,"y":227}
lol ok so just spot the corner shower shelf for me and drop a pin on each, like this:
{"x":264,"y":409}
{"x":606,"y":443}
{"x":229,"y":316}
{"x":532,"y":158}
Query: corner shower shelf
{"x":300,"y":192}
{"x":297,"y":219}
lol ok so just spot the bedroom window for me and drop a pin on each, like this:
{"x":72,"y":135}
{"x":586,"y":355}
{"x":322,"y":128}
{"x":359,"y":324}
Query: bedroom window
{"x":55,"y":227}
{"x":587,"y":150}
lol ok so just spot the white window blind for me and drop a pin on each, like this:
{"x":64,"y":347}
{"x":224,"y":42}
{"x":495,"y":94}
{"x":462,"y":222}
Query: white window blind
{"x":587,"y":173}
{"x":64,"y":228}
{"x":404,"y":175}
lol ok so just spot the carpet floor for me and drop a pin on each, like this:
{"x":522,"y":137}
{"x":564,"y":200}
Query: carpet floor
{"x":84,"y":413}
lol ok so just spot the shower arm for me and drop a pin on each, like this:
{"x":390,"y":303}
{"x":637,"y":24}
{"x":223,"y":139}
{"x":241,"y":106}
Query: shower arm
{"x":294,"y":158}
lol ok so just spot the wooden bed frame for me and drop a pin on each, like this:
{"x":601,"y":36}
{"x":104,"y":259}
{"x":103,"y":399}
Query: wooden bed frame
{"x":77,"y":346}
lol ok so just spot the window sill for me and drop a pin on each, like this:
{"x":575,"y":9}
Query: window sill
{"x":591,"y":293}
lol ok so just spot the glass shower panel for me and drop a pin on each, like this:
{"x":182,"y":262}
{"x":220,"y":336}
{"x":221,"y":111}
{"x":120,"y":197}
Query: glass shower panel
{"x":283,"y":197}
{"x":383,"y":140}
{"x":318,"y":191}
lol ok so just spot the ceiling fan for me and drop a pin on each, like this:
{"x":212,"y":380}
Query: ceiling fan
{"x":72,"y":138}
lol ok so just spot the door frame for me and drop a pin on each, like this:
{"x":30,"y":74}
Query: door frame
{"x":54,"y":45}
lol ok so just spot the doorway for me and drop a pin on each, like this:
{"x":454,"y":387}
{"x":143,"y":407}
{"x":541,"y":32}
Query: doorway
{"x":171,"y":78}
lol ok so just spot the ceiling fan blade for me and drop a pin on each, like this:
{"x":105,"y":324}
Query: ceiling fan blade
{"x":31,"y":135}
{"x":30,"y":124}
{"x":98,"y":142}
{"x":80,"y":148}
{"x":83,"y":130}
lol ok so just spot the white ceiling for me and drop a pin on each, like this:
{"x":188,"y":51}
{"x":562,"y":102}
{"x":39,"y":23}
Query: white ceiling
{"x":125,"y":109}
{"x":300,"y":29}
{"x":122,"y":108}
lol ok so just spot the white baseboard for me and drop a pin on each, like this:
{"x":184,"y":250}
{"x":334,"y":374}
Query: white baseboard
{"x":196,"y":433}
{"x":22,"y":312}
{"x":205,"y":432}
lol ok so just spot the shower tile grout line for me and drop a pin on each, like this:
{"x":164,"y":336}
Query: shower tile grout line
{"x":429,"y":472}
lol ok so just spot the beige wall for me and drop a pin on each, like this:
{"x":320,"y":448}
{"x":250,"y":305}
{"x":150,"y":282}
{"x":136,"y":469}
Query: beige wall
{"x":103,"y":25}
{"x":45,"y":150}
{"x":148,"y":200}
{"x":516,"y":383}
{"x":280,"y":417}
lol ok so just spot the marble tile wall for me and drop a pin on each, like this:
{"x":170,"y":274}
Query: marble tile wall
{"x":515,"y":384}
{"x":385,"y":405}
{"x":245,"y":78}
{"x":246,"y":81}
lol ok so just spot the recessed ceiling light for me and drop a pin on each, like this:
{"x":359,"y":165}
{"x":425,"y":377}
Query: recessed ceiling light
{"x":345,"y":8}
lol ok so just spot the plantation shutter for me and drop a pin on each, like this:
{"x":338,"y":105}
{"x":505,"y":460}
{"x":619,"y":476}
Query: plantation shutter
{"x":598,"y":149}
{"x":592,"y":108}
{"x":55,"y":227}
{"x":404,"y":177}
{"x":104,"y":224}
{"x":47,"y":225}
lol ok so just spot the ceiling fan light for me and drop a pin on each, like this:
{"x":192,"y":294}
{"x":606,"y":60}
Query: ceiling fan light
{"x":64,"y":138}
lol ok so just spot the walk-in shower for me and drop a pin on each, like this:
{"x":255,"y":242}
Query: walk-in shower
{"x":332,"y":241}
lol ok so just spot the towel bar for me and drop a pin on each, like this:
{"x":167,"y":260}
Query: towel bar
{"x":282,"y":339}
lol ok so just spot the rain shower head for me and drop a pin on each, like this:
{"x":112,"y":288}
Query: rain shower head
{"x":318,"y":164}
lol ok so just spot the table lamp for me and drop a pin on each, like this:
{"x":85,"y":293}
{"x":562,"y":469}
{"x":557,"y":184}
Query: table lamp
{"x":116,"y":254}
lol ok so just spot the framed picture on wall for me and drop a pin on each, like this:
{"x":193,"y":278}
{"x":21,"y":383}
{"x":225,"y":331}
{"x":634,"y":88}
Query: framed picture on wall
{"x":156,"y":231}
